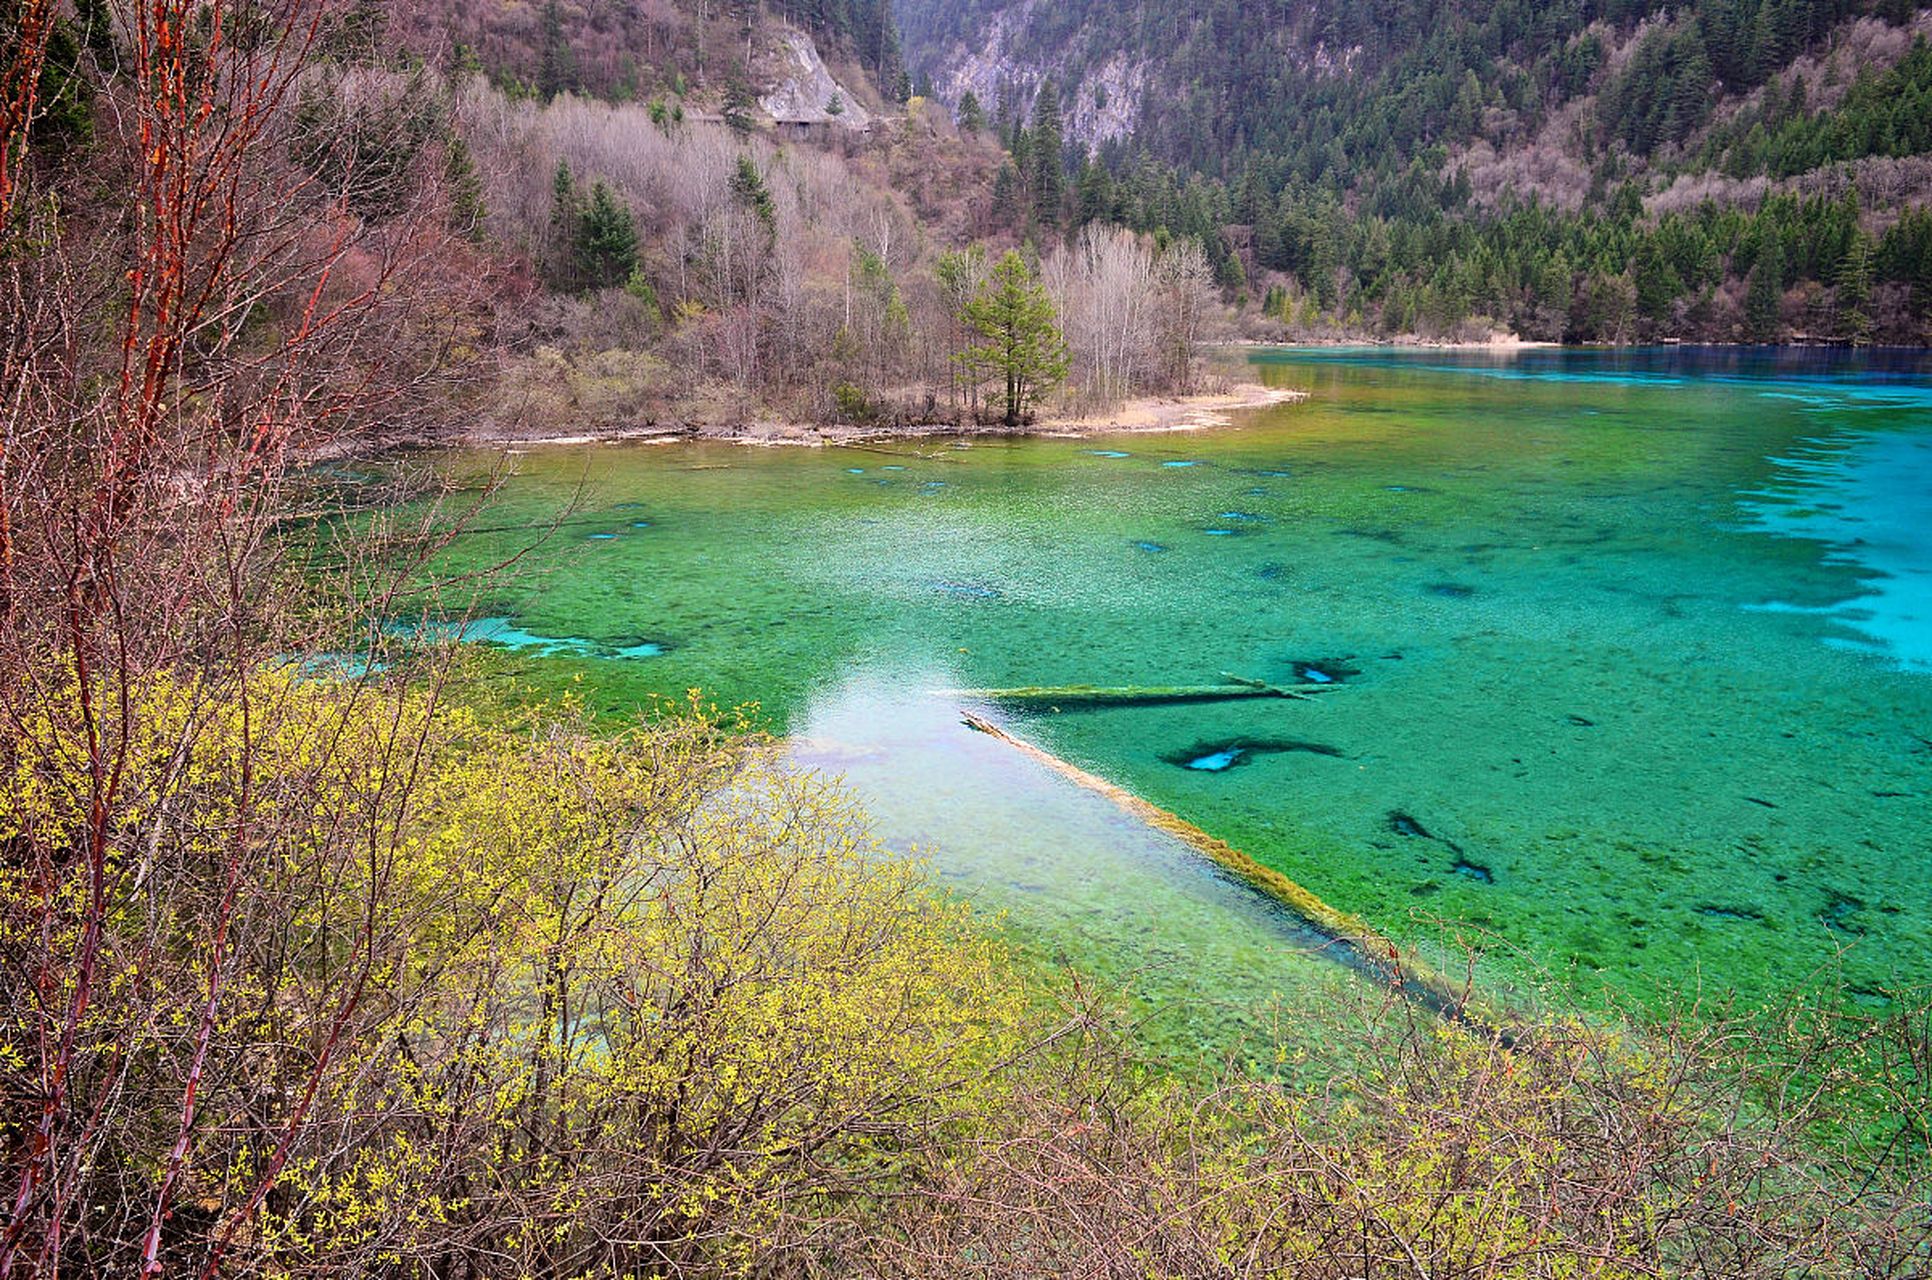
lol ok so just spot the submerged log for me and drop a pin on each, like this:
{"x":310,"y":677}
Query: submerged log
{"x":1125,"y":695}
{"x":1361,"y":946}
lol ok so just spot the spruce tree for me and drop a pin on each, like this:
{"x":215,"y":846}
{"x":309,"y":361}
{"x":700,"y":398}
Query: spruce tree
{"x":1765,"y":293}
{"x":1049,"y":146}
{"x":561,"y":259}
{"x":606,"y":244}
{"x":748,"y":189}
{"x":557,"y":65}
{"x":1096,"y":193}
{"x":972,"y":116}
{"x":465,"y":187}
{"x":1021,"y":347}
{"x":1855,"y":291}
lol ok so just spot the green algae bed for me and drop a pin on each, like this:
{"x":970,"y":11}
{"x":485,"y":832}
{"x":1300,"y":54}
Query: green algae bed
{"x":1630,"y":656}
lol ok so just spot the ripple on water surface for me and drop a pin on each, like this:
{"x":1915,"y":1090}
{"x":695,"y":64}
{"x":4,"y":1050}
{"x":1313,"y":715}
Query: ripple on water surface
{"x":1867,"y":498}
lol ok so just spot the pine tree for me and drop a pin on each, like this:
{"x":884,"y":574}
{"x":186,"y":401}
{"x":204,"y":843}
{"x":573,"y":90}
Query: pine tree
{"x":748,"y":189}
{"x":972,"y":116}
{"x":1020,"y":346}
{"x":1049,"y":147}
{"x":1855,"y":291}
{"x":359,"y":36}
{"x":557,"y":65}
{"x":1096,"y":193}
{"x":606,"y":242}
{"x":1005,"y":211}
{"x":465,"y":187}
{"x":564,"y":208}
{"x":1765,"y":294}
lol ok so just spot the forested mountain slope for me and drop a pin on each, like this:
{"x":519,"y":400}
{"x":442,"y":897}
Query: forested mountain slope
{"x":636,"y":48}
{"x":1586,"y":168}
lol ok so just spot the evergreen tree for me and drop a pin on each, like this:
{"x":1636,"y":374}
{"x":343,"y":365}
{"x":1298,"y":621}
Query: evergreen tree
{"x":737,"y":106}
{"x":557,"y":64}
{"x":1020,"y":345}
{"x":972,"y":116}
{"x":96,"y":25}
{"x":465,"y":187}
{"x":1049,"y":147}
{"x":65,"y":115}
{"x":1021,"y":150}
{"x":1905,"y":257}
{"x":1855,"y":291}
{"x":1765,"y":294}
{"x":1658,"y":284}
{"x":564,"y":210}
{"x":1005,"y":211}
{"x":606,"y":243}
{"x":959,"y":273}
{"x":1006,"y":116}
{"x":1095,"y":193}
{"x":749,"y":191}
{"x":359,"y":35}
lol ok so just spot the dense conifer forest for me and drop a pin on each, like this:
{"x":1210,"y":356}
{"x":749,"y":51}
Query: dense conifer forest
{"x":1580,"y":171}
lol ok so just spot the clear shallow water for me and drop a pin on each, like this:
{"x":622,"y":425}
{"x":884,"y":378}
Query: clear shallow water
{"x":1210,"y":964}
{"x":1632,"y":662}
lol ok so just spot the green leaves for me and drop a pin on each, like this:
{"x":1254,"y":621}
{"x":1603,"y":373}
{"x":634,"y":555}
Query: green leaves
{"x":1020,"y":339}
{"x":606,"y":240}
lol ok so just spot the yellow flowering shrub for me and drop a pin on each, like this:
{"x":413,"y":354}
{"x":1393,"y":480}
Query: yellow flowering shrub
{"x":312,"y":979}
{"x":514,"y":998}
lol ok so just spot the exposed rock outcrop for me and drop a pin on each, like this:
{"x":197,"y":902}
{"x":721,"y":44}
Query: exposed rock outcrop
{"x":803,"y":92}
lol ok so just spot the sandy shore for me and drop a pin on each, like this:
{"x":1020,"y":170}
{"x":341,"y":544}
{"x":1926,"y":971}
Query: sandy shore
{"x":1183,"y":413}
{"x":1147,"y":414}
{"x":1498,"y":342}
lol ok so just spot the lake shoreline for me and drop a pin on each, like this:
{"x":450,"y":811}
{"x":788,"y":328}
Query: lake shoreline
{"x":1143,"y":415}
{"x":1500,"y":343}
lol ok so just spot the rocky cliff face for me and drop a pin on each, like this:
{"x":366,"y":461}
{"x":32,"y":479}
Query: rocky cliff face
{"x":801,"y":90}
{"x":1106,"y":107}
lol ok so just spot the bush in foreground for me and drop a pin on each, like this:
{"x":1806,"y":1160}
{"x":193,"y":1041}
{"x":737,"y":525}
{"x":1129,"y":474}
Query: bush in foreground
{"x":367,"y":986}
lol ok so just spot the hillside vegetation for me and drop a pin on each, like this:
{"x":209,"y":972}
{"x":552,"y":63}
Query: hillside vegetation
{"x":1724,"y":170}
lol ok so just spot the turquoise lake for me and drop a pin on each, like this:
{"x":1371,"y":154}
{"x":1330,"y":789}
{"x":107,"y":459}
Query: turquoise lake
{"x":1629,"y":657}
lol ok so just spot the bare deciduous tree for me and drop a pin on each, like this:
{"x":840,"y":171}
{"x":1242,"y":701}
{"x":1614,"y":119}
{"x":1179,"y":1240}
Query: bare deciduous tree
{"x":1105,"y":289}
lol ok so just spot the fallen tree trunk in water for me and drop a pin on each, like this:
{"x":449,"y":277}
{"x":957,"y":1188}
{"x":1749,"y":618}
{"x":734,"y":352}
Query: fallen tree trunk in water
{"x":1127,"y":695}
{"x":1366,"y":950}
